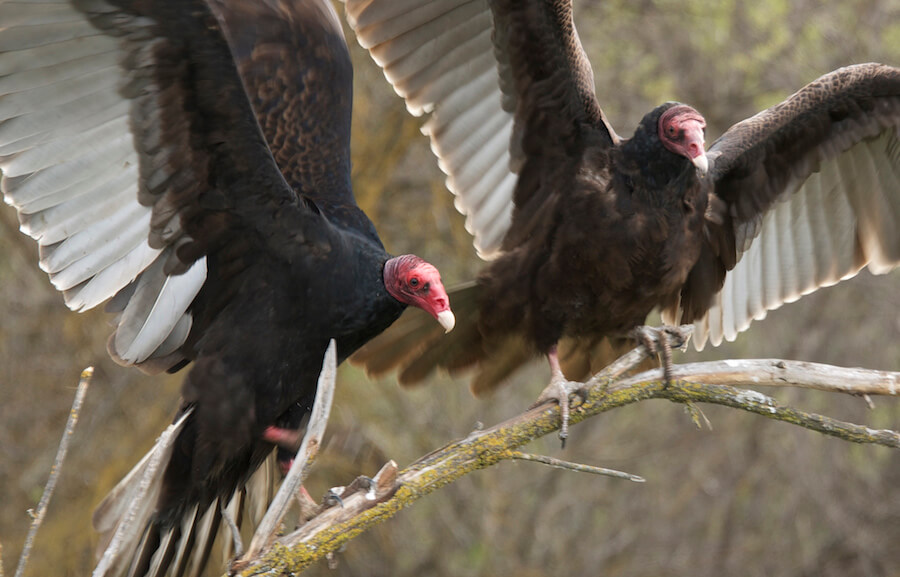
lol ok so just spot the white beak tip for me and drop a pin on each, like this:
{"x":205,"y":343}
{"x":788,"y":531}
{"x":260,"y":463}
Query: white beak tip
{"x":447,"y":320}
{"x":701,"y":162}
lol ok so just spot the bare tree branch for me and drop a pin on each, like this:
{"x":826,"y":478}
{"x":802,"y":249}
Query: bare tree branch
{"x":693,"y":383}
{"x":38,"y":514}
{"x":775,"y":372}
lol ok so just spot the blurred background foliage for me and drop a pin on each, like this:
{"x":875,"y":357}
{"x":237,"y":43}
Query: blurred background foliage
{"x":749,"y":497}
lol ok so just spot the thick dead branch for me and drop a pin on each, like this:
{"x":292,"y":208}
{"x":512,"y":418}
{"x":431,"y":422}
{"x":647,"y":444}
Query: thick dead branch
{"x":691,"y":384}
{"x":38,"y":514}
{"x":775,"y":372}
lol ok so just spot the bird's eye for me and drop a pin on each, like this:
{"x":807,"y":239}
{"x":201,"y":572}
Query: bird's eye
{"x":671,"y":130}
{"x":414,"y":282}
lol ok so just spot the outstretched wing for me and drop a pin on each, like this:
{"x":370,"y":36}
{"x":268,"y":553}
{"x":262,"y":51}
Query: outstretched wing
{"x":296,"y":68}
{"x":508,"y":88}
{"x":129,"y":148}
{"x":810,"y":192}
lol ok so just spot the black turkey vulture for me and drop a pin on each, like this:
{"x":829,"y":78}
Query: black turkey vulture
{"x":130,"y":148}
{"x":588,"y":232}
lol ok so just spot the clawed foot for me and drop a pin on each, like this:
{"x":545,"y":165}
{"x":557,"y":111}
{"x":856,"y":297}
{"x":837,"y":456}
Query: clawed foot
{"x":336,"y":495}
{"x":560,"y":390}
{"x":661,"y":341}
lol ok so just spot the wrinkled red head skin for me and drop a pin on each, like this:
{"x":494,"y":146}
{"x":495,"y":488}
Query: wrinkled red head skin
{"x":414,"y":282}
{"x":681,"y":130}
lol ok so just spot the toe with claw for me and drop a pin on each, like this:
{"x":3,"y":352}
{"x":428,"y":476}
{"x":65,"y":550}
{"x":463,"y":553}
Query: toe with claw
{"x":336,"y":495}
{"x":661,"y":341}
{"x":559,"y":390}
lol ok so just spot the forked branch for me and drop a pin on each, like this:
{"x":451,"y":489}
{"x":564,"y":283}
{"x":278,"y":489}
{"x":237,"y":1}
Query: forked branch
{"x":694,"y":383}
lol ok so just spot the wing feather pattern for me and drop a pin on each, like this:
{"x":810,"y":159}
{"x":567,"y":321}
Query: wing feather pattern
{"x":812,"y":188}
{"x":296,"y":67}
{"x":128,"y":157}
{"x":439,"y":56}
{"x":70,"y":167}
{"x":457,"y":61}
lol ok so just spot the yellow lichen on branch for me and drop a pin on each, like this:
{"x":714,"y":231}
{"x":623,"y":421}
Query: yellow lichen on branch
{"x":483,"y":448}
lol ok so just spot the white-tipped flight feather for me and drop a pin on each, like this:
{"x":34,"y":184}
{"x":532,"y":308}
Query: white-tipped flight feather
{"x":825,"y":228}
{"x":438,"y":55}
{"x":70,"y":167}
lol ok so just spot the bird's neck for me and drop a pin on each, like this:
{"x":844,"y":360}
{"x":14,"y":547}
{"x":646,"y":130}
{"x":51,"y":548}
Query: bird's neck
{"x":647,"y":169}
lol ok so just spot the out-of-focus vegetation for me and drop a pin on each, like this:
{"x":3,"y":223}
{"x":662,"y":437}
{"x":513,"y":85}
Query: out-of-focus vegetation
{"x":750,"y":497}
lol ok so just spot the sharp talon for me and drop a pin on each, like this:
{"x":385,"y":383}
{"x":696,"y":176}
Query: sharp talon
{"x":333,"y":497}
{"x":366,"y":484}
{"x":559,"y":390}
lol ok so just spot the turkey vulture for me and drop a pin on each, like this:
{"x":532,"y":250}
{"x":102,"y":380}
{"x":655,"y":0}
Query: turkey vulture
{"x":219,"y":237}
{"x":587,"y":232}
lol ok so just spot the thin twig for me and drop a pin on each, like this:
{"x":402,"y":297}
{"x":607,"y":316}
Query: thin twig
{"x":869,"y":402}
{"x":306,"y":454}
{"x":38,"y":515}
{"x":577,"y":467}
{"x":235,"y":531}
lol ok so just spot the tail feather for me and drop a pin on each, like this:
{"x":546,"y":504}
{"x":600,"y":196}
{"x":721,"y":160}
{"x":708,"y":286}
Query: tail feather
{"x":581,"y":358}
{"x":463,"y":342}
{"x":204,"y":537}
{"x":145,"y":548}
{"x":506,"y":358}
{"x":415,"y":346}
{"x":186,"y":542}
{"x":413,"y":331}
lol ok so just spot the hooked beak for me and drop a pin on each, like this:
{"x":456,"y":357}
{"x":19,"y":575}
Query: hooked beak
{"x":696,"y":147}
{"x":701,"y":162}
{"x":447,"y":320}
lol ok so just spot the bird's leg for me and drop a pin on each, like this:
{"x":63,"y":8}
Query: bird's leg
{"x":559,"y":390}
{"x":289,"y":439}
{"x":287,"y":443}
{"x":660,"y":341}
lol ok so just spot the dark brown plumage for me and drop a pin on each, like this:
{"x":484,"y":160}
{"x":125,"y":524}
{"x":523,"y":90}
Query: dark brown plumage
{"x":133,"y":154}
{"x":588,"y":232}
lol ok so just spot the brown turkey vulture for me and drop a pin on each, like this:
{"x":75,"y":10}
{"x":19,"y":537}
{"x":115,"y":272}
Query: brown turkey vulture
{"x":130,"y":148}
{"x":588,"y":232}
